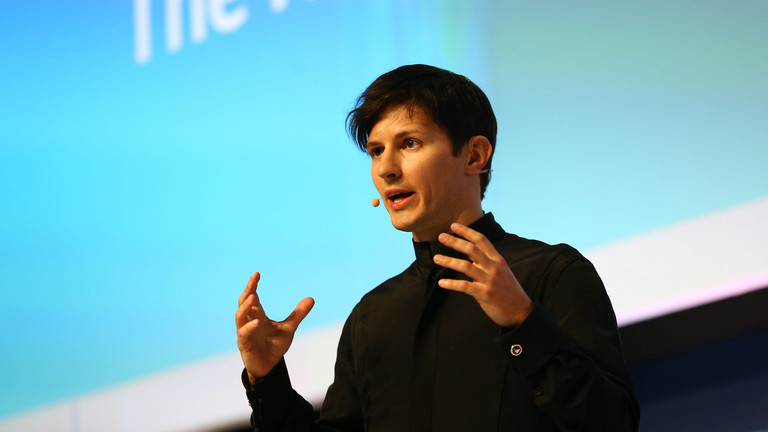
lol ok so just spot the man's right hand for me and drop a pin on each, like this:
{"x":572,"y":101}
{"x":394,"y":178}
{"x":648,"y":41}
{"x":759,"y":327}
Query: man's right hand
{"x":261,"y":341}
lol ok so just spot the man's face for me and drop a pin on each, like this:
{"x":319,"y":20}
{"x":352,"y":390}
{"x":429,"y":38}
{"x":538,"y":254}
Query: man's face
{"x":423,"y":185}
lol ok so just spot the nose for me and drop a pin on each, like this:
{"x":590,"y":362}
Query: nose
{"x":388,"y":166}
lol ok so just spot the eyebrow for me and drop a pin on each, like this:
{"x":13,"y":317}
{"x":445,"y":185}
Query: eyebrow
{"x":398,"y":135}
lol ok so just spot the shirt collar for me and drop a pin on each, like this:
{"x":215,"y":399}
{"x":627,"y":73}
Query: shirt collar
{"x":486,"y":226}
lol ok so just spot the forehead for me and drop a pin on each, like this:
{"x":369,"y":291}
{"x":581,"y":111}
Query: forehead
{"x":401,"y":118}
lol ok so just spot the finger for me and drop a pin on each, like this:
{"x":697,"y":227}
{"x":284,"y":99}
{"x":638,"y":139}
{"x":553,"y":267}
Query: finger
{"x":472,"y":251}
{"x":244,"y":333}
{"x":245,"y":308}
{"x":459,"y":265}
{"x":248,"y":328}
{"x":480,"y":292}
{"x":250,"y":309}
{"x":457,"y":285}
{"x":477,"y":239}
{"x":301,"y":312}
{"x":250,"y":287}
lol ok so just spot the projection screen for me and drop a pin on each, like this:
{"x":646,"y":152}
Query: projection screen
{"x":154,"y":154}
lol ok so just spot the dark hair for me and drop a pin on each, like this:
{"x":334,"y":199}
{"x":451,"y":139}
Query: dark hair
{"x":453,"y":102}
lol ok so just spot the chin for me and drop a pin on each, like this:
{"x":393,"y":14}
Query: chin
{"x":421,"y":232}
{"x":402,"y":225}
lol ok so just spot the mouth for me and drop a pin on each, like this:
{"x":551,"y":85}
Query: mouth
{"x":399,"y":197}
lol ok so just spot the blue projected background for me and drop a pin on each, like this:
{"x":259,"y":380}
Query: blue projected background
{"x":154,"y":154}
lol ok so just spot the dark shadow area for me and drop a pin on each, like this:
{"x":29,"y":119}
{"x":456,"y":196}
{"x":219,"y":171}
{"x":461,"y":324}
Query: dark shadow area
{"x":703,"y":369}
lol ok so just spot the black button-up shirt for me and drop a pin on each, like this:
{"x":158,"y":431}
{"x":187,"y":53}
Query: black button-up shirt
{"x":416,"y":357}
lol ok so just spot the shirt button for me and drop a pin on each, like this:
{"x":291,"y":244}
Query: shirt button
{"x":516,"y":350}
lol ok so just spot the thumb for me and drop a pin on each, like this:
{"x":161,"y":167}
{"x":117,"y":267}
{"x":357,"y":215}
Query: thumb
{"x":301,"y":312}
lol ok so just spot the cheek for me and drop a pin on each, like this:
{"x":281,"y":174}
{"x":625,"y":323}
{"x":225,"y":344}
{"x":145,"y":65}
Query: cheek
{"x":374,"y":177}
{"x":442,"y":183}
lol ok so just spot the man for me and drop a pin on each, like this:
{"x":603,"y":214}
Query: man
{"x":485,"y":331}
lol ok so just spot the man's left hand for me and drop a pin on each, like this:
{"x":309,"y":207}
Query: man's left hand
{"x":491,"y":283}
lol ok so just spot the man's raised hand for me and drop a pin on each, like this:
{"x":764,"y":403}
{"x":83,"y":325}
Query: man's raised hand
{"x":261,"y":341}
{"x":491,"y":283}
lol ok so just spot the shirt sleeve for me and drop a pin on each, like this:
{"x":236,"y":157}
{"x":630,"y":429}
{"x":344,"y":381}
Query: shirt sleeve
{"x":276,"y":406}
{"x":570,"y":352}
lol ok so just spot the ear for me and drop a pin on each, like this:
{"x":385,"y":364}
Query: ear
{"x":479,"y":151}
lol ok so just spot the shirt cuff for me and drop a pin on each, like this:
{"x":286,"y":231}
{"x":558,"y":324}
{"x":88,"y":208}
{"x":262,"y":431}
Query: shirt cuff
{"x":271,"y":393}
{"x":530,"y":345}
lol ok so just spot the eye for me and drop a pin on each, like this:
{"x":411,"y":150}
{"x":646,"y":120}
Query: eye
{"x":375,"y":151}
{"x":411,"y":143}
